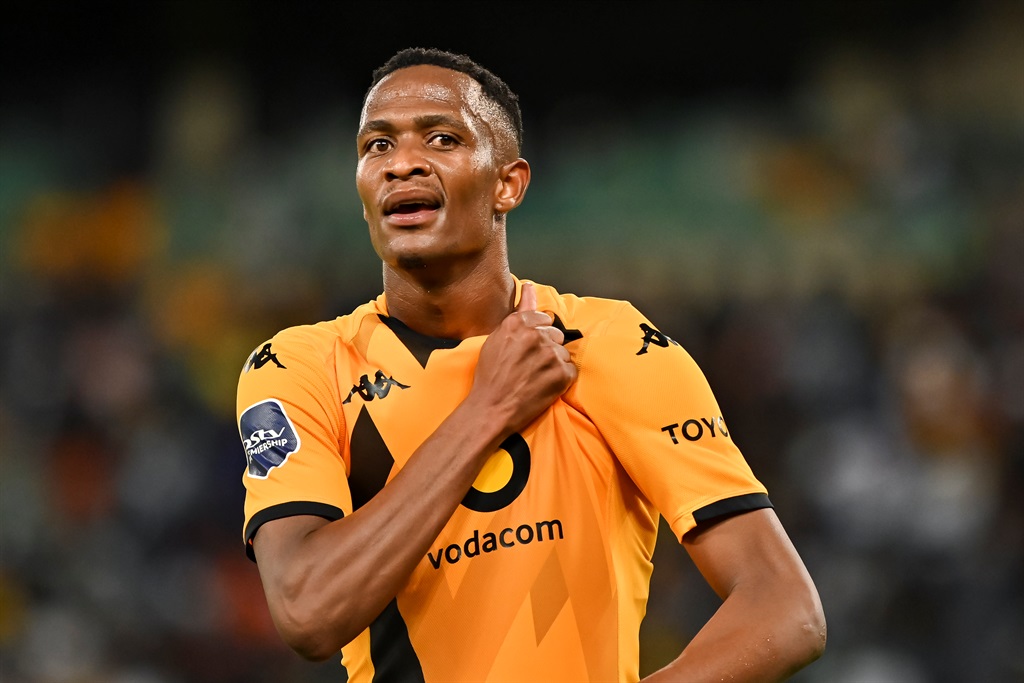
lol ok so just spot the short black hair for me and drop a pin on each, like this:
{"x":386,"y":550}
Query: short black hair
{"x":493,"y":87}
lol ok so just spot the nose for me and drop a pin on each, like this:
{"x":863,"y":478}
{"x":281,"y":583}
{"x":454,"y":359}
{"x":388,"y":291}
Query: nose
{"x":406,"y":161}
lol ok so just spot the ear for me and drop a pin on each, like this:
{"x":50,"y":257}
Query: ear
{"x":513,"y":179}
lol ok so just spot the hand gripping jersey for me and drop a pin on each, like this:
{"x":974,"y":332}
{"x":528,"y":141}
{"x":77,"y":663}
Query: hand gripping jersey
{"x":542,"y":573}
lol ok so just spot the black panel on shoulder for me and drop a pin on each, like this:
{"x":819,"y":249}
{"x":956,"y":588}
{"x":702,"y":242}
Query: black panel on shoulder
{"x":731,"y":506}
{"x":371,"y":460}
{"x":419,"y":345}
{"x":570,"y":335}
{"x":394,"y":659}
{"x":292,"y":509}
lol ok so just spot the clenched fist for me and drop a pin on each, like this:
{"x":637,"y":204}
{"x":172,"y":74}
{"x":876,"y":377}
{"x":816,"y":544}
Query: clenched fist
{"x":523,"y":366}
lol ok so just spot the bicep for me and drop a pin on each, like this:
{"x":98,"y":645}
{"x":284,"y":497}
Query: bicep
{"x":751,"y":550}
{"x":277,"y":544}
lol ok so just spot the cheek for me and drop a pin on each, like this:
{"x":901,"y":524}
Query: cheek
{"x":364,"y":187}
{"x":474,"y":191}
{"x":476,"y":203}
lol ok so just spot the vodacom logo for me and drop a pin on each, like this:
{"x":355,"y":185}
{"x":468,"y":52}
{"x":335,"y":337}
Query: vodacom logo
{"x":503,"y":477}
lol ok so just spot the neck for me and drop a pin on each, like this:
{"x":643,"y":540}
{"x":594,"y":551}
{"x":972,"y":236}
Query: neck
{"x":454,"y":305}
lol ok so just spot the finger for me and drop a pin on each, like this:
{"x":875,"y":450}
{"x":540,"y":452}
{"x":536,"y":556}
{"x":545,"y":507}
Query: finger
{"x":569,"y":367}
{"x":553,"y":333}
{"x":535,"y":318}
{"x":563,"y":355}
{"x":527,"y":298}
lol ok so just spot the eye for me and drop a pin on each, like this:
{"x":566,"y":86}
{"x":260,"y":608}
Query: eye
{"x":443,"y":140}
{"x":378,"y":146}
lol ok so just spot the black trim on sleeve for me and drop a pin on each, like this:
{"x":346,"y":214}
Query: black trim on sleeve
{"x":731,"y":506}
{"x":292,"y":509}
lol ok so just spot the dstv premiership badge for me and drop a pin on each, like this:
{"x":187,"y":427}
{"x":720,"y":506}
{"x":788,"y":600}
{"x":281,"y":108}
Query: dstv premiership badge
{"x":268,"y":436}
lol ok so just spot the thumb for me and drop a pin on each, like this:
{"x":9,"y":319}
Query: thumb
{"x":527,"y":298}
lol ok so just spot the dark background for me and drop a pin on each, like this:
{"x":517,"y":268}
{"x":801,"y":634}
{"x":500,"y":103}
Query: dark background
{"x":821,"y":201}
{"x":613,"y":54}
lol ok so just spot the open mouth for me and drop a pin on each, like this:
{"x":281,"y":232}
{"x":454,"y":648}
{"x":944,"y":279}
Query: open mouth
{"x":411,"y":207}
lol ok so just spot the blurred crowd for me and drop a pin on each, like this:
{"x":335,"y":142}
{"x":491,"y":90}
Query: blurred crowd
{"x":845,"y":262}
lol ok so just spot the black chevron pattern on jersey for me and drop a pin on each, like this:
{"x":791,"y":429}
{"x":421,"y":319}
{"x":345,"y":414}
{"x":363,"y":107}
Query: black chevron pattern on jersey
{"x":394,"y":659}
{"x":570,"y":335}
{"x":371,"y":460}
{"x":419,"y":345}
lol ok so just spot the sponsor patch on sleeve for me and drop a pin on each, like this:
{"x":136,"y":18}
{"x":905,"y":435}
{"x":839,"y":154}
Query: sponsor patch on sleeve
{"x":268,"y":437}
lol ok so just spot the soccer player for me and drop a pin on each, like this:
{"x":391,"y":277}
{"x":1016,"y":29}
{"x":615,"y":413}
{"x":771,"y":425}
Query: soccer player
{"x":461,"y":480}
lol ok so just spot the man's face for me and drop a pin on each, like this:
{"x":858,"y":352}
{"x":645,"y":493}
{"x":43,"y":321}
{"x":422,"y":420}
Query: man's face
{"x":428,"y":170}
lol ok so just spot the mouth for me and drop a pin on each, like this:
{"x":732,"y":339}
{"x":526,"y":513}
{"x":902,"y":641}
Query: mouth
{"x":410,"y":206}
{"x":406,"y":208}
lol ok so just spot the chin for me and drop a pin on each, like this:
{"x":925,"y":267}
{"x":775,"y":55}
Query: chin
{"x":411,"y":262}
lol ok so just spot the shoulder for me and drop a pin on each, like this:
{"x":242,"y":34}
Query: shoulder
{"x":314,"y":343}
{"x":591,"y":316}
{"x":611,"y":338}
{"x":599,"y":322}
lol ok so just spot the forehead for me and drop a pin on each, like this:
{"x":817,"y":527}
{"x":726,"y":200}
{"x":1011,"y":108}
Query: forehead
{"x":424,"y":82}
{"x":427,"y":88}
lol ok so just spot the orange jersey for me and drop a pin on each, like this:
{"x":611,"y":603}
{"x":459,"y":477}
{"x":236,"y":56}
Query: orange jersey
{"x":542,"y":573}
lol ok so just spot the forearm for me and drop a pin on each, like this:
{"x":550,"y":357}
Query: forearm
{"x":335,"y":579}
{"x":752,"y":638}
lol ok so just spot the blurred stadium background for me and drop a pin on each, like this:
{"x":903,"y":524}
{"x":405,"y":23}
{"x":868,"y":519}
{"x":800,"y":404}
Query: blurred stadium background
{"x":824,"y":202}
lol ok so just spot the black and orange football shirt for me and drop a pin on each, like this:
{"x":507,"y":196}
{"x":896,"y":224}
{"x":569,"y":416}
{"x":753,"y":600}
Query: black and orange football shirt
{"x":542,"y":573}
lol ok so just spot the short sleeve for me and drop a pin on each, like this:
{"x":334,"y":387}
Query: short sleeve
{"x":656,"y":411}
{"x":292,"y":432}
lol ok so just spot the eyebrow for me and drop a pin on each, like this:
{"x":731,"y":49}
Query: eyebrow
{"x":421,"y":122}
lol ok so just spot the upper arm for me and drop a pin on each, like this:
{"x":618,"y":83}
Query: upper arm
{"x":770,"y":623}
{"x":752,"y":552}
{"x":277,"y":545}
{"x":292,"y":433}
{"x":655,"y":409}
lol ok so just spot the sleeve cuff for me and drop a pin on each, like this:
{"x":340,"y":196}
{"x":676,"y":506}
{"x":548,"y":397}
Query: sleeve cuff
{"x":291,"y":509}
{"x":730,"y":506}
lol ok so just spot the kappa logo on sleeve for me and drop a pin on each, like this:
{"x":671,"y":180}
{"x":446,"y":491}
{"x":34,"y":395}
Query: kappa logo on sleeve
{"x":656,"y":337}
{"x":261,"y":357}
{"x":268,"y":436}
